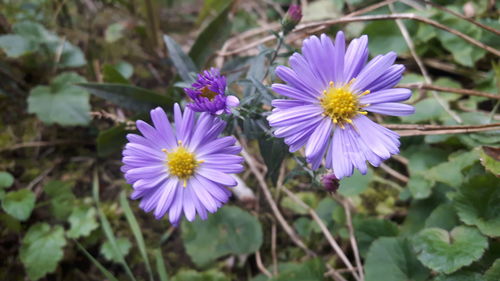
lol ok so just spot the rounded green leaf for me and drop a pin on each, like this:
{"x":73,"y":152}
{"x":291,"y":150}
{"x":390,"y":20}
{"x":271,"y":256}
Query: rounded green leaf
{"x":393,"y":259}
{"x":447,"y":252}
{"x":6,"y":180}
{"x":83,"y":221}
{"x":42,"y":249}
{"x":62,"y":102}
{"x":123,"y":245}
{"x":19,"y":204}
{"x":229,"y":231}
{"x":477,"y":203}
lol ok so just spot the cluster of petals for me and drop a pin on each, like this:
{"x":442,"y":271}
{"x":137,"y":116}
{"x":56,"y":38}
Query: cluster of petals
{"x":208,"y":161}
{"x":326,"y":67}
{"x":208,"y":94}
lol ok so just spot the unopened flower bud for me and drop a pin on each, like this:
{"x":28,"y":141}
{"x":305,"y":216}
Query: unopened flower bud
{"x":291,"y":18}
{"x":330,"y":182}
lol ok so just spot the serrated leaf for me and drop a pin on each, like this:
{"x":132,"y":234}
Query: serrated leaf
{"x":61,"y":102}
{"x":447,"y":252}
{"x":42,"y":249}
{"x":460,"y":276}
{"x":15,"y":45}
{"x":393,"y":259}
{"x":211,"y":38}
{"x":356,"y":184}
{"x":311,"y":270}
{"x":123,"y":245}
{"x":450,"y":172}
{"x":384,"y":36}
{"x":229,"y":231}
{"x":425,"y":110}
{"x":490,"y":159}
{"x":478,"y":203}
{"x":82,"y":221}
{"x":61,"y":198}
{"x":493,"y":273}
{"x":111,"y":140}
{"x":182,"y":62}
{"x":127,"y":96}
{"x":443,"y":217}
{"x":192,"y":275}
{"x":19,"y":204}
{"x":368,"y":230}
{"x":273,"y":151}
{"x":6,"y":180}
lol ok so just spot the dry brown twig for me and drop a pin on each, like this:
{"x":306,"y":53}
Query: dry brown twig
{"x":352,"y":238}
{"x":467,"y":92}
{"x":260,"y":265}
{"x":338,"y":250}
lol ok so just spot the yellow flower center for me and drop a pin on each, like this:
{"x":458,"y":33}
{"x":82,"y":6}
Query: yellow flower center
{"x":207,"y":93}
{"x":181,"y":163}
{"x":341,"y":104}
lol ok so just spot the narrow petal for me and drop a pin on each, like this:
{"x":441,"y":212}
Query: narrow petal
{"x":355,"y":57}
{"x":293,"y":93}
{"x":288,"y":75}
{"x":317,"y":143}
{"x":166,"y":198}
{"x":175,"y":211}
{"x":391,"y":108}
{"x":338,"y":57}
{"x":163,"y":127}
{"x":388,"y":95}
{"x":388,"y":79}
{"x":372,"y":71}
{"x":342,"y":167}
{"x":217,"y":176}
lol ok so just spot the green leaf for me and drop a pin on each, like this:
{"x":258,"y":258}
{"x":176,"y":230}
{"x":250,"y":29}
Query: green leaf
{"x":463,"y":52}
{"x":192,"y":275}
{"x":368,"y":230}
{"x":82,"y":221}
{"x":478,"y":203}
{"x":488,"y":156}
{"x":61,"y":102}
{"x":6,"y":180}
{"x":493,"y":273}
{"x":61,"y":198}
{"x":111,"y":140}
{"x":447,"y":252}
{"x":450,"y":172}
{"x":160,"y":265}
{"x":127,"y":96}
{"x":355,"y":185}
{"x":393,"y":259}
{"x":42,"y":249}
{"x":114,"y":32}
{"x":229,"y":231}
{"x":443,"y":216}
{"x":460,"y":276}
{"x":182,"y":62}
{"x":19,"y":204}
{"x":273,"y":151}
{"x":15,"y":45}
{"x":112,"y":75}
{"x":101,"y":268}
{"x":211,"y":38}
{"x":311,"y":270}
{"x":384,"y":36}
{"x":425,"y":110}
{"x":309,"y":198}
{"x":136,"y":230}
{"x":123,"y":245}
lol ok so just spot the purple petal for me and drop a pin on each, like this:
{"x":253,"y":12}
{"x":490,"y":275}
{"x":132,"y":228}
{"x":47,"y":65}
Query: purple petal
{"x":391,"y":108}
{"x":338,"y":57}
{"x":355,"y":57}
{"x":165,"y":200}
{"x":372,"y":71}
{"x":317,"y":143}
{"x":217,"y":176}
{"x":389,"y":95}
{"x":388,"y":79}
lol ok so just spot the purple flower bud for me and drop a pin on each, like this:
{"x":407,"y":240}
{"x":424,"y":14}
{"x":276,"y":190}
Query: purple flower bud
{"x":291,"y":18}
{"x":330,"y":182}
{"x":208,"y":94}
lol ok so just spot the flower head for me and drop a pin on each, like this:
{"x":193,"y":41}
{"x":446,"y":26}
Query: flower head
{"x":209,"y":94}
{"x":331,"y":90}
{"x":291,"y":18}
{"x":184,"y":169}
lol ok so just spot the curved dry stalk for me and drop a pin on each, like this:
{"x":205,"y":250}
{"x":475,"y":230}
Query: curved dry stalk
{"x":325,"y":231}
{"x":422,"y":130}
{"x":320,"y":25}
{"x":269,"y":198}
{"x":352,"y":238}
{"x":483,"y":26}
{"x":468,"y":92}
{"x":260,"y":265}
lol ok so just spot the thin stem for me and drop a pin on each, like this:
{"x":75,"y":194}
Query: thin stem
{"x":325,"y":231}
{"x":260,"y":265}
{"x":422,"y":67}
{"x":352,"y":238}
{"x":468,"y":92}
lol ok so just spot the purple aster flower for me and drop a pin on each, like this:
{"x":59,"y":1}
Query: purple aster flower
{"x":209,"y":93}
{"x":331,"y":89}
{"x":184,"y":169}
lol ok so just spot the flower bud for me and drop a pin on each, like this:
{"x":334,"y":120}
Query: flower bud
{"x":291,"y":18}
{"x":330,"y":182}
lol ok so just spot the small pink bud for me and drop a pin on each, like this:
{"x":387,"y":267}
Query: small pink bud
{"x":291,"y":18}
{"x":330,"y":182}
